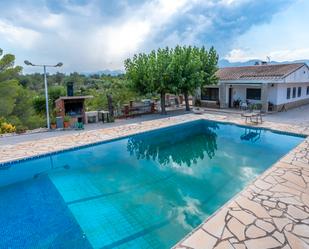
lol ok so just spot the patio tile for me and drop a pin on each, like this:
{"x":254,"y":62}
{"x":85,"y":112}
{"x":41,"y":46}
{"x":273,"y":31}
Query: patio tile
{"x":200,"y":240}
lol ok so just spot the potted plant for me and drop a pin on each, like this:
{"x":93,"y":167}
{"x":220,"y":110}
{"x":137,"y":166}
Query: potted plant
{"x":66,"y":121}
{"x":53,"y":123}
{"x":198,"y":103}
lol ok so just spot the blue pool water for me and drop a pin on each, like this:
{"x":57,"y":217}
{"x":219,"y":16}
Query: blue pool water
{"x":144,"y":191}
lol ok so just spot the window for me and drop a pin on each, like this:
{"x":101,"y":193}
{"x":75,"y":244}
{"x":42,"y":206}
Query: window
{"x":288,"y":93}
{"x":299,"y":91}
{"x":210,"y":94}
{"x":307,"y":90}
{"x":294,"y":92}
{"x":254,"y":93}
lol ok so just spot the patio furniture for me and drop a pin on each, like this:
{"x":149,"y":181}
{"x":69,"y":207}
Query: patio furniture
{"x":254,"y":117}
{"x":243,"y":106}
{"x":138,"y":108}
{"x":91,"y":117}
{"x":104,"y":116}
{"x":78,"y":125}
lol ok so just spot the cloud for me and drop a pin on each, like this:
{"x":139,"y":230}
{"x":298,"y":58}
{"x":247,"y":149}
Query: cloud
{"x":239,"y":55}
{"x":95,"y":35}
{"x":14,"y":34}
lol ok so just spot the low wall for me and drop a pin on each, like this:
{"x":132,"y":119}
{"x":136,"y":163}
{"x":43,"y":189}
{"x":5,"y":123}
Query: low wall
{"x":291,"y":105}
{"x":210,"y":104}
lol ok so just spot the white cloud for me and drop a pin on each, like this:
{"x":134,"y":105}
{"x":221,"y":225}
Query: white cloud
{"x":93,"y":36}
{"x":292,"y":54}
{"x":284,"y":38}
{"x":239,"y":55}
{"x":19,"y":36}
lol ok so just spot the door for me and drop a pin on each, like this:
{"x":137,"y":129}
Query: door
{"x":230,"y":97}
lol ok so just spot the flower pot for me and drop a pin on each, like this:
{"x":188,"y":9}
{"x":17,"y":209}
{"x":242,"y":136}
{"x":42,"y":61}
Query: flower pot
{"x":66,"y":124}
{"x":53,"y":126}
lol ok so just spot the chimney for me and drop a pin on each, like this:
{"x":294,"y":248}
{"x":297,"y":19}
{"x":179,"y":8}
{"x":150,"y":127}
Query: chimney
{"x":70,"y":90}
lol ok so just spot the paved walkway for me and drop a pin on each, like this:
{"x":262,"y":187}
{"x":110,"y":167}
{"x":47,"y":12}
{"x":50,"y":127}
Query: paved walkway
{"x":15,"y":139}
{"x":298,"y":116}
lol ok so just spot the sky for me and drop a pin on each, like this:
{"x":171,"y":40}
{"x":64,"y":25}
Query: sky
{"x":94,"y":35}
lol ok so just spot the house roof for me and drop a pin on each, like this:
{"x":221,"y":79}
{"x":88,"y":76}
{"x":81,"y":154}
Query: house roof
{"x":258,"y":72}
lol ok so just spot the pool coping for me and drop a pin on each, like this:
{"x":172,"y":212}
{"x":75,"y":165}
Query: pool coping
{"x":206,"y":235}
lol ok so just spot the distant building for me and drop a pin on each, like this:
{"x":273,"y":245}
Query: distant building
{"x":280,"y":86}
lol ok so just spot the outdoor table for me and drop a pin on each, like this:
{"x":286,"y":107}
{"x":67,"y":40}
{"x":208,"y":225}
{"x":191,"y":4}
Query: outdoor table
{"x":91,"y":114}
{"x":104,"y":114}
{"x":256,"y":115}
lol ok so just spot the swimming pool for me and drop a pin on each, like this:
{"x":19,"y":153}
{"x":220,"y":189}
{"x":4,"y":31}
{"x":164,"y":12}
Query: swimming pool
{"x":142,"y":191}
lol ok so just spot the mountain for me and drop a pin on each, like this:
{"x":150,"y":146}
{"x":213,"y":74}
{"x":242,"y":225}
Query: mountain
{"x":226,"y":63}
{"x":105,"y":72}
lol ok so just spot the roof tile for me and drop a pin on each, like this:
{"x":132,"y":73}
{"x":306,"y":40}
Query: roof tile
{"x":258,"y":72}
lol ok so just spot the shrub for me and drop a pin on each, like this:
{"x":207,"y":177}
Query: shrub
{"x":7,"y":128}
{"x":66,"y":118}
{"x":20,"y":129}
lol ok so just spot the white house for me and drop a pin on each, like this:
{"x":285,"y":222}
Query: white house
{"x":278,"y":86}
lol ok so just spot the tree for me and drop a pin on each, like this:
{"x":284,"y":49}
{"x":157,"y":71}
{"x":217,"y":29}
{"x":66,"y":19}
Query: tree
{"x":152,"y":73}
{"x":8,"y":84}
{"x":54,"y":92}
{"x":209,"y":65}
{"x":187,"y":71}
{"x":161,"y":74}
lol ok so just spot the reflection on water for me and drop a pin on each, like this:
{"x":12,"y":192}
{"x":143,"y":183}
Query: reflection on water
{"x":182,"y":145}
{"x":251,"y":134}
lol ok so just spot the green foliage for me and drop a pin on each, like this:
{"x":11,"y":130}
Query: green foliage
{"x":38,"y":103}
{"x":151,"y":73}
{"x":15,"y":99}
{"x":8,"y":84}
{"x":187,"y":70}
{"x":54,"y":92}
{"x":209,"y":65}
{"x":66,"y":118}
{"x":179,"y":70}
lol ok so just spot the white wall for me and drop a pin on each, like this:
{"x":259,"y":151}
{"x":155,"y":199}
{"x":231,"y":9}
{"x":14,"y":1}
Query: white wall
{"x":273,"y":93}
{"x":240,"y":92}
{"x":282,"y":91}
{"x":300,"y":76}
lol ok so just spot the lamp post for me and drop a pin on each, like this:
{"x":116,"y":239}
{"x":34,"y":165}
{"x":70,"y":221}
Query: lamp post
{"x":28,"y":63}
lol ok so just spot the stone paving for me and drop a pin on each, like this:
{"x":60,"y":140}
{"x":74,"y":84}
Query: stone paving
{"x":272,"y":212}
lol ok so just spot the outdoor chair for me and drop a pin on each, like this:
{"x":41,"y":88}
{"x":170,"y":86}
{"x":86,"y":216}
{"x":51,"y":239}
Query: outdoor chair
{"x":243,"y":106}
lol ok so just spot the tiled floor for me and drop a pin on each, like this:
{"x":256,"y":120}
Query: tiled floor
{"x":273,"y":212}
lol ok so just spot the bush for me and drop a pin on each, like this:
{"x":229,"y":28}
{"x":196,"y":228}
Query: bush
{"x":39,"y":104}
{"x":198,"y":103}
{"x":35,"y":121}
{"x":7,"y":128}
{"x":20,"y":129}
